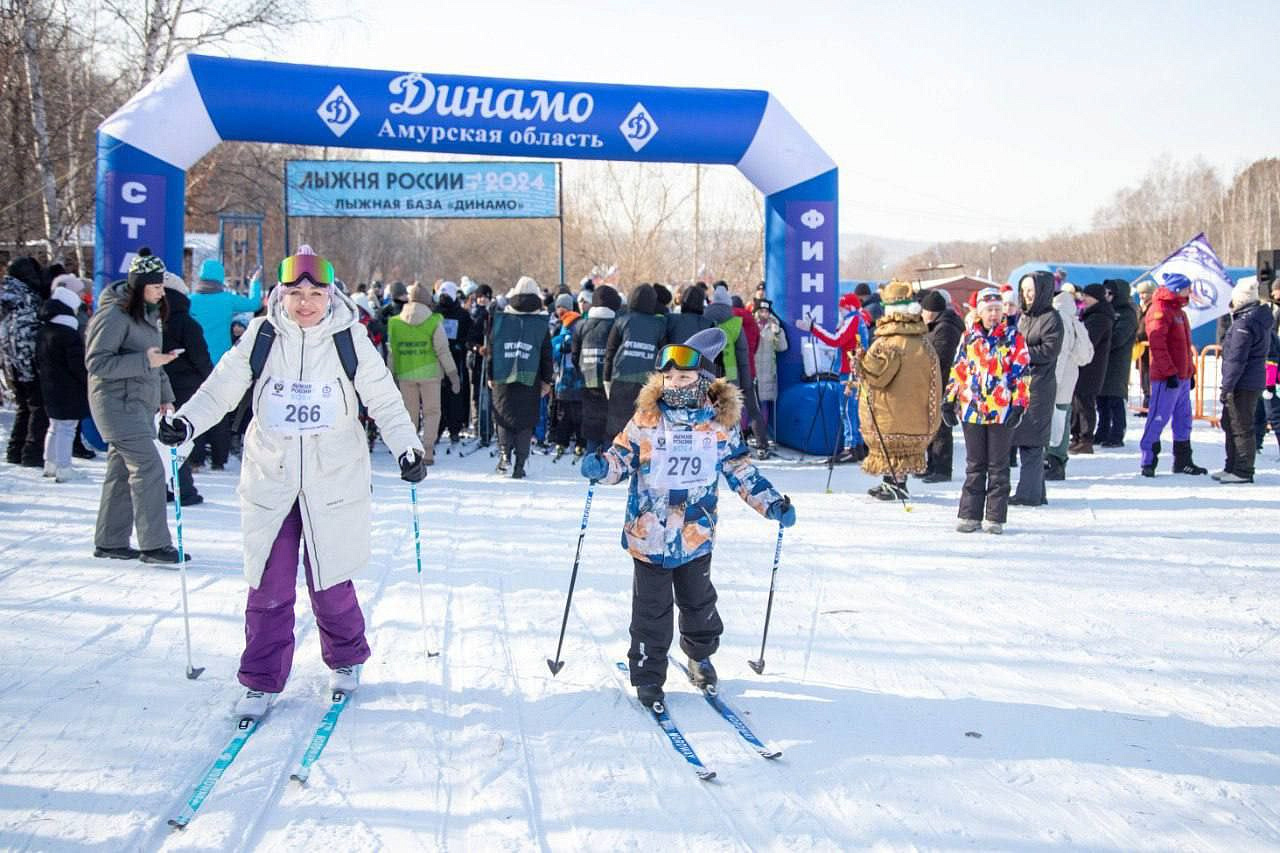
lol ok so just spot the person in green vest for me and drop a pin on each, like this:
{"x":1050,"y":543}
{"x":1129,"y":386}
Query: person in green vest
{"x":520,"y":371}
{"x":632,"y":352}
{"x":737,"y":364}
{"x":418,"y":355}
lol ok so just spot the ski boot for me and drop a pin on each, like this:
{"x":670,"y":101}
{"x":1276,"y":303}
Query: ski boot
{"x":703,"y":675}
{"x":344,"y":679}
{"x":560,"y":451}
{"x":888,"y":491}
{"x":651,"y":696}
{"x":253,"y":704}
{"x":1182,"y":461}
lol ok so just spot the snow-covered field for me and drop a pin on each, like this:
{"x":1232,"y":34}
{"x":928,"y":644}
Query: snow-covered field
{"x":1103,"y":677}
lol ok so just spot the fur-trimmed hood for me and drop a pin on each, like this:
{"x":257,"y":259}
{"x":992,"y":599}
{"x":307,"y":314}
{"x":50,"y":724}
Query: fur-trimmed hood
{"x":723,"y":395}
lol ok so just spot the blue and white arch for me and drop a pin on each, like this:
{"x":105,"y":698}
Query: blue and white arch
{"x":145,"y":148}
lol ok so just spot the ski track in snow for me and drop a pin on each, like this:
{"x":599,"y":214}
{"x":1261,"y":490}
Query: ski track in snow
{"x":1103,"y":677}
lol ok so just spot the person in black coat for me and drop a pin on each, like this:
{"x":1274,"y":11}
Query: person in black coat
{"x":1041,"y":327}
{"x":1244,"y":371}
{"x":1099,"y":320}
{"x":519,"y":371}
{"x":631,"y":354}
{"x":189,"y":370}
{"x":686,"y":324}
{"x":455,"y":405}
{"x":590,"y":343}
{"x":1113,"y":397}
{"x":64,"y":381}
{"x":945,"y":331}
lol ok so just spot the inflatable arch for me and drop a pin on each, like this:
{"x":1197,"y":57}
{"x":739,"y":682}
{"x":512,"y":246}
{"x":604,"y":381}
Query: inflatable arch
{"x":145,"y":147}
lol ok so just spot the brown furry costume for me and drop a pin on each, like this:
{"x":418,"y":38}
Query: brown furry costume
{"x":901,"y":396}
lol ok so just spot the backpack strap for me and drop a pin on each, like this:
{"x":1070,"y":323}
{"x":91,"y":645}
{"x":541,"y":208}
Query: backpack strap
{"x":347,"y":353}
{"x":261,"y":349}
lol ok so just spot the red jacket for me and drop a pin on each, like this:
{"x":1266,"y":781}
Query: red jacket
{"x":847,"y":338}
{"x":751,"y":328}
{"x":1169,"y":337}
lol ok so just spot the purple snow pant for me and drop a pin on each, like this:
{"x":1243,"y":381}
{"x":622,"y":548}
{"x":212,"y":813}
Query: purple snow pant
{"x":1166,"y":403}
{"x":268,"y":616}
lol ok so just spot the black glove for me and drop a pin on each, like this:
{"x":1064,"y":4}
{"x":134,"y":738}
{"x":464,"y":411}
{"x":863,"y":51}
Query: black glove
{"x":1193,"y":382}
{"x":1014,"y":417}
{"x":949,"y":416}
{"x":412,"y":467}
{"x":173,"y":431}
{"x":1172,"y":382}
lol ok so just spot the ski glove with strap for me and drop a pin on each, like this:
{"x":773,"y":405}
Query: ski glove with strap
{"x":1014,"y":417}
{"x":594,"y":467}
{"x":949,"y":416}
{"x":172,"y":431}
{"x":413,"y":468}
{"x":782,"y":512}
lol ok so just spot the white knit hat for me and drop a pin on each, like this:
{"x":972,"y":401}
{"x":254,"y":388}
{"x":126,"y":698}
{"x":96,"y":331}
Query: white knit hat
{"x":447,"y":288}
{"x":1245,"y":292}
{"x":526,"y":286}
{"x":174,"y":282}
{"x":71,"y":282}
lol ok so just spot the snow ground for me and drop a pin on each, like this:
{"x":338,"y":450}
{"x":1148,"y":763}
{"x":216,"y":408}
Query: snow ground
{"x":1115,"y":651}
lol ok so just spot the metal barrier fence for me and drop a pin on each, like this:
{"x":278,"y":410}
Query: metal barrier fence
{"x":1207,"y":397}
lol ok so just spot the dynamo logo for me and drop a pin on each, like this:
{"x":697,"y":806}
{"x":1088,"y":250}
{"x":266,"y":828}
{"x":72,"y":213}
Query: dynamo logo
{"x":638,"y":127}
{"x":338,"y":112}
{"x":1203,"y":294}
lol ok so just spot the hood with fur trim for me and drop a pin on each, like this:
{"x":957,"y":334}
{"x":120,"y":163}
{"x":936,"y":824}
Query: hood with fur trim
{"x":723,"y":396}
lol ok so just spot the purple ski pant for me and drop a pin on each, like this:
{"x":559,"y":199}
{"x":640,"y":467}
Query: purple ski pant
{"x":1166,"y":403}
{"x":268,"y":616}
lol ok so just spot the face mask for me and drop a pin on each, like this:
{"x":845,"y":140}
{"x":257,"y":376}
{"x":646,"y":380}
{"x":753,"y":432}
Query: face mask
{"x":688,"y":397}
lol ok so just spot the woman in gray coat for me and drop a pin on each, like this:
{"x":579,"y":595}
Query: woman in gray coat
{"x":127,"y":387}
{"x":1041,"y":327}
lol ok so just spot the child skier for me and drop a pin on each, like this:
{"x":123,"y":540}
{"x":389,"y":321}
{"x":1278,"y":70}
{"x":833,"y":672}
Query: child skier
{"x":683,"y":435}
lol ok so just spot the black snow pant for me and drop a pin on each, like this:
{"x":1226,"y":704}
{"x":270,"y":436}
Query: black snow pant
{"x":941,"y":451}
{"x":1111,"y":421}
{"x":751,"y":408}
{"x":455,"y":407}
{"x":214,"y":442}
{"x":986,"y":472}
{"x":651,"y":601}
{"x":1084,"y":415}
{"x":568,"y":427}
{"x":1031,"y":477}
{"x":1237,"y":422}
{"x":26,"y":442}
{"x":595,"y":419}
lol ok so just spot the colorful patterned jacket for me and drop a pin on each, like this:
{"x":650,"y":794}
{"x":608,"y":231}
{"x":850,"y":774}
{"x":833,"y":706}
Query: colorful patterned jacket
{"x":988,"y":377}
{"x":671,"y":528}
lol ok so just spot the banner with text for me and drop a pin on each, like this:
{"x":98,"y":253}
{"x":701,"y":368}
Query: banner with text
{"x":361,"y":188}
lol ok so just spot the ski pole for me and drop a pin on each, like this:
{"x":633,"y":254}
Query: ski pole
{"x":758,"y":665}
{"x":422,"y":591}
{"x":880,"y":438}
{"x":193,"y":672}
{"x":556,"y":665}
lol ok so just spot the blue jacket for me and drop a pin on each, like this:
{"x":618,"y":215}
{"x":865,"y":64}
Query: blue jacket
{"x":670,"y":528}
{"x":213,"y":311}
{"x":1245,"y":348}
{"x":568,"y":380}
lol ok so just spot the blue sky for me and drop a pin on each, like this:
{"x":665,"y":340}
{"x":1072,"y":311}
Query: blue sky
{"x":948,"y":120}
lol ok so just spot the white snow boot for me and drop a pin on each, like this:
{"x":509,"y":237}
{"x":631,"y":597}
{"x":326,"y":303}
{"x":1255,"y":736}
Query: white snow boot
{"x":344,"y":679}
{"x":253,"y":704}
{"x":67,"y":474}
{"x":50,"y":469}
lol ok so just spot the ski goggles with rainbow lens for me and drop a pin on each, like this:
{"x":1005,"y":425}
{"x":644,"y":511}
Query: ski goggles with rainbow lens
{"x":296,"y":269}
{"x":681,"y":357}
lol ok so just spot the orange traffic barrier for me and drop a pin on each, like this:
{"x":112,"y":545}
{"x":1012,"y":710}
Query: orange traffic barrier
{"x":1208,"y":397}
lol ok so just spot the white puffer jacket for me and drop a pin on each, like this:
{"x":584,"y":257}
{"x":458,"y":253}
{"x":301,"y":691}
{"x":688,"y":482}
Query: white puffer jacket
{"x":1077,"y":349}
{"x":327,"y":473}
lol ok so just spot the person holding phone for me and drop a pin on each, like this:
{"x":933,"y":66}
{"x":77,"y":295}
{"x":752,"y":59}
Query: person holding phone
{"x":184,"y":339}
{"x":127,"y":387}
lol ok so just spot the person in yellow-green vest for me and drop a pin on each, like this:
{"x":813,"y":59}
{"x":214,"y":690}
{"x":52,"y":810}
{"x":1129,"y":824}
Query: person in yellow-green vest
{"x":736,"y":358}
{"x":418,"y":355}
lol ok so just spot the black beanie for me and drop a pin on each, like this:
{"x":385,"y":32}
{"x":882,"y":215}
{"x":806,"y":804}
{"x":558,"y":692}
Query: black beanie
{"x":146,"y":269}
{"x":605,"y":296}
{"x":934,"y":301}
{"x":664,"y":295}
{"x":1097,"y":291}
{"x":694,"y":301}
